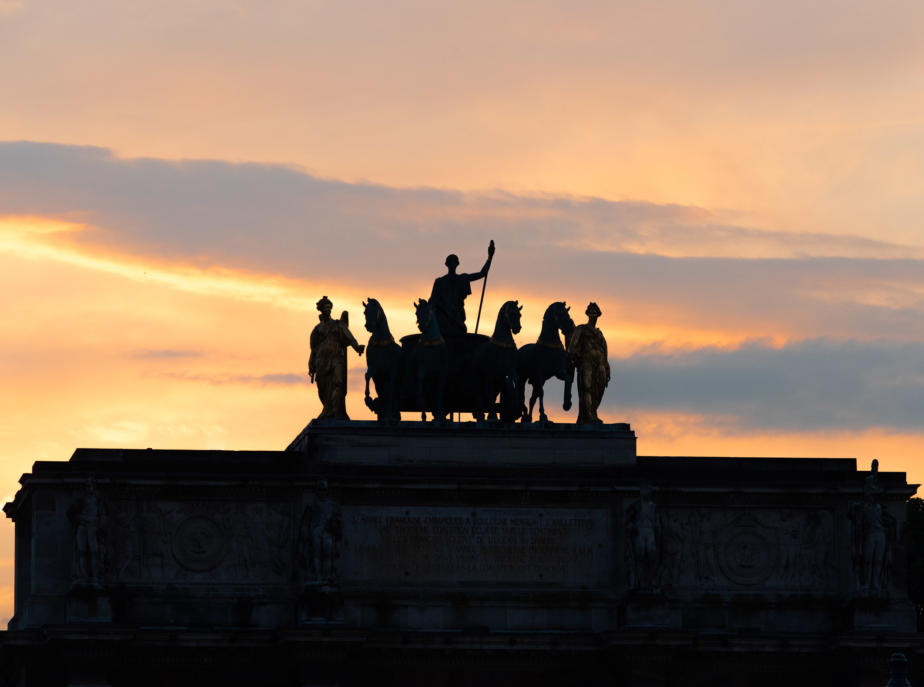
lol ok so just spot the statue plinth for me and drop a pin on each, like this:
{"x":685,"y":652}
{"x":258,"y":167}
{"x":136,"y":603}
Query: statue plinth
{"x":467,"y":443}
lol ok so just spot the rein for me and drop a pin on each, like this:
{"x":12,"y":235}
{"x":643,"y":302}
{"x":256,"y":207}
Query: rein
{"x":557,"y":345}
{"x":502,"y":344}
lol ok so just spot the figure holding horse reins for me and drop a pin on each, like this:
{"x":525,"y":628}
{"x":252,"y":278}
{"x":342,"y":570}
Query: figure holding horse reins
{"x":327,"y":364}
{"x":587,"y":352}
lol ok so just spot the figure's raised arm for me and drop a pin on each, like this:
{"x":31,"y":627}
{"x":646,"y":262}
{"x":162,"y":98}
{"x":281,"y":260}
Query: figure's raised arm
{"x":487,"y":265}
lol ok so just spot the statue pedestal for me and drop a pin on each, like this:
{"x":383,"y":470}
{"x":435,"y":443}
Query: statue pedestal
{"x":320,"y":604}
{"x":419,"y":443}
{"x":882,"y":614}
{"x":88,"y":604}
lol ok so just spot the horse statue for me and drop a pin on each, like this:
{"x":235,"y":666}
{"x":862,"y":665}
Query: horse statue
{"x":493,"y":368}
{"x":544,"y":359}
{"x":383,"y":364}
{"x":430,"y":360}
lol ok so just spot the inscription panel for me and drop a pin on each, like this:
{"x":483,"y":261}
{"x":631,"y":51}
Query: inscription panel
{"x":558,"y":546}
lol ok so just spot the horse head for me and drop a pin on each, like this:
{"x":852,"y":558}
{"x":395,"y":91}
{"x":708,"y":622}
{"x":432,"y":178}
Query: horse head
{"x":563,"y":319}
{"x":555,"y":319}
{"x":513,"y":311}
{"x":373,"y":312}
{"x":424,"y":313}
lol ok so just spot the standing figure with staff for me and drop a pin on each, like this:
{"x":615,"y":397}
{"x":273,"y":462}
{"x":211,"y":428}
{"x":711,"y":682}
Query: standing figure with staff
{"x":449,"y":294}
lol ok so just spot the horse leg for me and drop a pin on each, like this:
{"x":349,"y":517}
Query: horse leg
{"x":508,"y":400}
{"x":485,"y":399}
{"x":420,"y":393}
{"x":490,"y":393}
{"x":440,"y":398}
{"x":569,"y":378}
{"x":392,"y":412}
{"x":532,"y":398}
{"x":476,"y":389}
{"x":542,"y":416}
{"x":370,"y":404}
{"x":521,"y":399}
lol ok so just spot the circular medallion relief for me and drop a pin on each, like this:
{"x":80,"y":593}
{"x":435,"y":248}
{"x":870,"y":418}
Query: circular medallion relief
{"x":198,"y":544}
{"x":746,"y":556}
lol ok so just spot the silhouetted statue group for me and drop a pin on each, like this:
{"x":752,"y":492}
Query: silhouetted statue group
{"x":444,"y":369}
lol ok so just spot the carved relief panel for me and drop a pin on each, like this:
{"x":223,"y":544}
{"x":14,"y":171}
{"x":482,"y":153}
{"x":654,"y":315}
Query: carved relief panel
{"x":163,"y":541}
{"x":782,"y":550}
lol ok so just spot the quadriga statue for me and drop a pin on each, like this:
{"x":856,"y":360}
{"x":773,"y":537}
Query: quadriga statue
{"x":445,"y":369}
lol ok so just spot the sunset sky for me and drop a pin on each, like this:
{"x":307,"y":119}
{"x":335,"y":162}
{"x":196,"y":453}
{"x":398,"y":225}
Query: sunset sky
{"x":738,"y":184}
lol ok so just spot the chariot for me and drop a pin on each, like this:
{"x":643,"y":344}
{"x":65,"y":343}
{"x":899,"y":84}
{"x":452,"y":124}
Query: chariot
{"x":468,"y":373}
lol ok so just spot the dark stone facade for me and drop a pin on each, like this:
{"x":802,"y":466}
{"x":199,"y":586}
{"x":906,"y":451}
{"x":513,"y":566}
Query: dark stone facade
{"x":416,"y":555}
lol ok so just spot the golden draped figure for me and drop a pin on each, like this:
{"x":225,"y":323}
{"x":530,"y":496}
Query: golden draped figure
{"x":327,"y":364}
{"x":587,"y":352}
